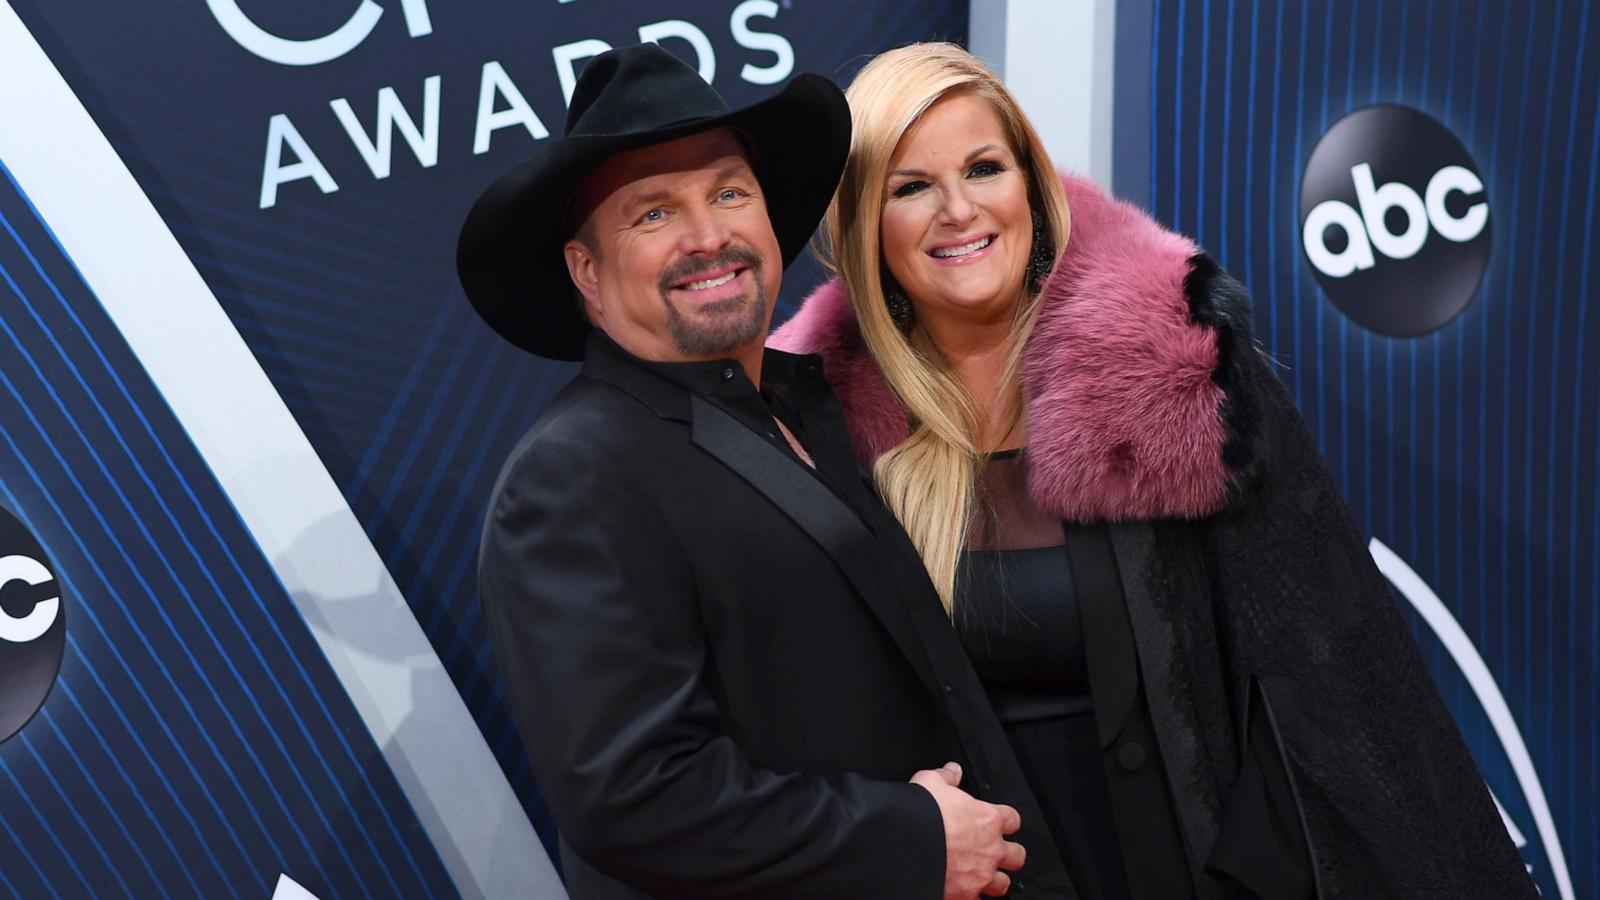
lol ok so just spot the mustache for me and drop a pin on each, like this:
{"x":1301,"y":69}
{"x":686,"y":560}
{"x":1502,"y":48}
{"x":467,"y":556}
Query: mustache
{"x":686,"y":269}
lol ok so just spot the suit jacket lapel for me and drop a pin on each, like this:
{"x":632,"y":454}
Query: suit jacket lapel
{"x":821,"y":514}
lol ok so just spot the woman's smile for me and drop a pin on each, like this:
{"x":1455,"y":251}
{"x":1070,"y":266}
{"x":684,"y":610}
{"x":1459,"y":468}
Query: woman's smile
{"x":961,"y":252}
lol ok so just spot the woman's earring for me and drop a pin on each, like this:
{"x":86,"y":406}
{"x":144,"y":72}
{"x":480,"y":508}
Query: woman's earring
{"x":1042,"y":257}
{"x":894,"y":297}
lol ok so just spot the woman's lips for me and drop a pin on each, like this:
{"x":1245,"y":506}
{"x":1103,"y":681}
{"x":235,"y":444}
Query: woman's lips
{"x":963,"y":252}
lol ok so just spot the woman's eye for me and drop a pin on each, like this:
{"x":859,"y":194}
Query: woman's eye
{"x":985,"y":169}
{"x":909,"y":188}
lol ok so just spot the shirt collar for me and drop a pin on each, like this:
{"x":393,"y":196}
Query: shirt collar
{"x":705,"y":378}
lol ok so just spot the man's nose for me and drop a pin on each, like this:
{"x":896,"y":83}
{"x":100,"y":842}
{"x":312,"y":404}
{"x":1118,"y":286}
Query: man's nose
{"x":703,"y":232}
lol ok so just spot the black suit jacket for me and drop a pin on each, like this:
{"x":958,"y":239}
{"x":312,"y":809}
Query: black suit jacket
{"x":724,"y":665}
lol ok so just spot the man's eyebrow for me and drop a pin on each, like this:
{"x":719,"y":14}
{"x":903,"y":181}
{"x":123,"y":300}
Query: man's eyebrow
{"x":730,"y":171}
{"x":738,"y":169}
{"x":636,"y":200}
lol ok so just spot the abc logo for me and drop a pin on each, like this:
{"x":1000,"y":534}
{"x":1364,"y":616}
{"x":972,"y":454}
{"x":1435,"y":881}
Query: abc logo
{"x":33,"y":625}
{"x":1394,"y":219}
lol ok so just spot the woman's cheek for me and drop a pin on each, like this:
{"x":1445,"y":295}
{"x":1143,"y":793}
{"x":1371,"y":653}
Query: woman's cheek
{"x":900,"y":233}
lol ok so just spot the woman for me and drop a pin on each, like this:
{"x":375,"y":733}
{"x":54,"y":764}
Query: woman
{"x":1198,"y":666}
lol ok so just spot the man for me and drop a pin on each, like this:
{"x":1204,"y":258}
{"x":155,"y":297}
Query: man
{"x":724,"y":656}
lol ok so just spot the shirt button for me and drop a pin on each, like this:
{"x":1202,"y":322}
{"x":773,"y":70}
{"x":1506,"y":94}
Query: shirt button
{"x":1130,"y":756}
{"x":727,"y":373}
{"x":948,"y":689}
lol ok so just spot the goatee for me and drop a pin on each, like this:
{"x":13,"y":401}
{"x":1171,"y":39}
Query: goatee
{"x":716,"y":327}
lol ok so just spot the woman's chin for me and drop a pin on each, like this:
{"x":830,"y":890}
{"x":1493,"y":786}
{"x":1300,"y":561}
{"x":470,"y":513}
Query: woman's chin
{"x":975,"y":303}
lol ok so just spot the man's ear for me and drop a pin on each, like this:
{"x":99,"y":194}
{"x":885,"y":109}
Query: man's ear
{"x":583,"y":267}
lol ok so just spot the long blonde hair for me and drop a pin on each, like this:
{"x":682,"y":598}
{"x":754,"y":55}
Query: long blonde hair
{"x":929,"y":480}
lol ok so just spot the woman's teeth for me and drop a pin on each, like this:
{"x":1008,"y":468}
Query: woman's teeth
{"x":964,"y":249}
{"x":710,"y":282}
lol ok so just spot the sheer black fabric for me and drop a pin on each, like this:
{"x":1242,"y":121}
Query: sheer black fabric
{"x":1005,"y":516}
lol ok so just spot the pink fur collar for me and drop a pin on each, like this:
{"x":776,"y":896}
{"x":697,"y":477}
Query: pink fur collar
{"x":1124,"y":415}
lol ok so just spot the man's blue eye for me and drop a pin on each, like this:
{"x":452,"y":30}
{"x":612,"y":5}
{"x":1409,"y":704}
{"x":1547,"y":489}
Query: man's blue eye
{"x":653,"y":215}
{"x":729,"y":194}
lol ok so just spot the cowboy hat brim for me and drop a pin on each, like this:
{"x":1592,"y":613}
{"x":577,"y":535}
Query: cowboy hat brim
{"x":509,"y":256}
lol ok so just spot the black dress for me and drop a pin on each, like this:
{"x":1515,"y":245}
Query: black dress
{"x":1011,"y":619}
{"x":1039,"y":607}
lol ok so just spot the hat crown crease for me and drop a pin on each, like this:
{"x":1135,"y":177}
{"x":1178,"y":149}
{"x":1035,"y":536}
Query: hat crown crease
{"x":610,"y":98}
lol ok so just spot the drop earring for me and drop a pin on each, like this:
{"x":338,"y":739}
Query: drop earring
{"x":899,"y":305}
{"x":1042,"y":256}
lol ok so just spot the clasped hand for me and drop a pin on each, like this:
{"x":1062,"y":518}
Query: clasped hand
{"x":977,"y":855}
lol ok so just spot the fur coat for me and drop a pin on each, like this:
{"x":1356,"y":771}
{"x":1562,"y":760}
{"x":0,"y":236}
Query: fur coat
{"x":1150,"y":407}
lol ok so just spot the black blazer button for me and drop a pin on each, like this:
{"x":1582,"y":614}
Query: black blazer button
{"x":948,"y":689}
{"x":727,"y":373}
{"x":1130,"y":756}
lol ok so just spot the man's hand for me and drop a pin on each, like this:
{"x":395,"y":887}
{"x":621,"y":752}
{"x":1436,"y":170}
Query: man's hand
{"x":974,"y":837}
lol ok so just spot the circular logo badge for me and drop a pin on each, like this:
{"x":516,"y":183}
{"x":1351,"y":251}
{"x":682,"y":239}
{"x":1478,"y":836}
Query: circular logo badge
{"x":1394,"y":220}
{"x":33,"y":625}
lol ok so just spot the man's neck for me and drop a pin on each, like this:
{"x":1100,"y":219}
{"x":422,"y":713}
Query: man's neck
{"x":748,"y":357}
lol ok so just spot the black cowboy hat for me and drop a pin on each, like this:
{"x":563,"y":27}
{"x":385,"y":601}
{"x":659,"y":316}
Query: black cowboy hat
{"x":509,"y":256}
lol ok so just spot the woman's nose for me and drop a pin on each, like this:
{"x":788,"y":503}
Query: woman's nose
{"x":958,"y":209}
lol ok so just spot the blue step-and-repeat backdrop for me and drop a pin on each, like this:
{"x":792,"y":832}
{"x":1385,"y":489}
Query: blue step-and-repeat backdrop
{"x":1410,"y":190}
{"x":240,"y":500}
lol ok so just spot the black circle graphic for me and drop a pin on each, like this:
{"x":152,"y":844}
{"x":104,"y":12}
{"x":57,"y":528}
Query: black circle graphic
{"x":1394,"y":220}
{"x":33,"y":624}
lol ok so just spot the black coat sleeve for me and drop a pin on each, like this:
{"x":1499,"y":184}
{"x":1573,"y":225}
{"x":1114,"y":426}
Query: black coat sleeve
{"x":1391,"y":800}
{"x":592,"y":609}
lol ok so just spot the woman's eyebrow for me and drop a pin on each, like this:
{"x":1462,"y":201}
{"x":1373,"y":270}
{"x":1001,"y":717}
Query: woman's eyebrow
{"x":986,"y":148}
